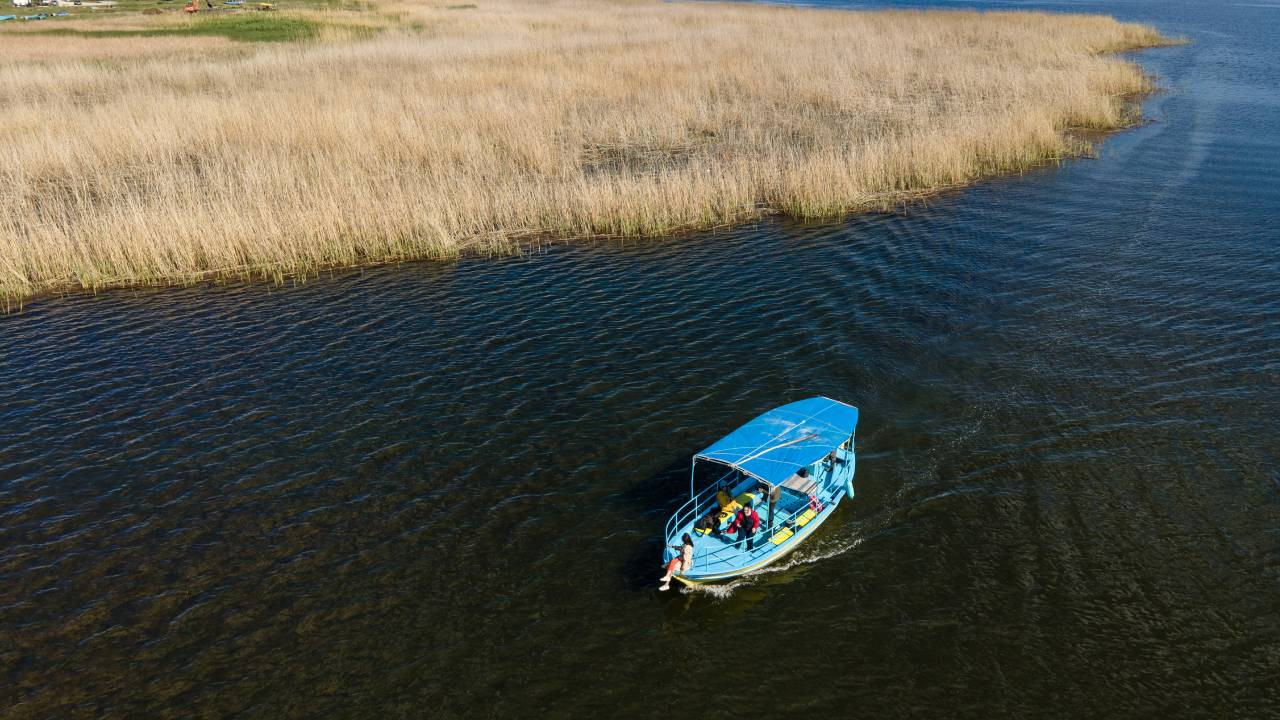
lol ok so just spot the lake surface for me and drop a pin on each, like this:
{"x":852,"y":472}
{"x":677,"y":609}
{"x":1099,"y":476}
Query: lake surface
{"x":437,"y":490}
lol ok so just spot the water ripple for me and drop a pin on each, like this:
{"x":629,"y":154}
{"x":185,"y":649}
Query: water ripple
{"x":422,"y":485}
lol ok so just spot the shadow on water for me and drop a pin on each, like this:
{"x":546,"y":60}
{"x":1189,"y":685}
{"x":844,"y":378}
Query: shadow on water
{"x":667,"y":489}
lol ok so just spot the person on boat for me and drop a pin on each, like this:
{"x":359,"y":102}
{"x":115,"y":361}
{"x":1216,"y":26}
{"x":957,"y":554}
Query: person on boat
{"x":709,"y":524}
{"x":833,"y":460}
{"x":682,"y":562}
{"x":745,"y":524}
{"x":775,"y":494}
{"x":723,"y":498}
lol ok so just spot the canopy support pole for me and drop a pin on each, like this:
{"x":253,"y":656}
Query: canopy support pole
{"x":692,"y":465}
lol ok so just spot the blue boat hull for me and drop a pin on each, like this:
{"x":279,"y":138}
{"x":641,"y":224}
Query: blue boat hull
{"x":791,"y":544}
{"x":717,"y":558}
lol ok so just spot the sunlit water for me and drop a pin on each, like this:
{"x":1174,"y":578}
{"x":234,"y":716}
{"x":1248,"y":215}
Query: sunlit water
{"x":438,"y":489}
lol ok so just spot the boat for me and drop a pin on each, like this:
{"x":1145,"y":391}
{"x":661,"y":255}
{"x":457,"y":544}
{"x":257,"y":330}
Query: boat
{"x":802,"y":454}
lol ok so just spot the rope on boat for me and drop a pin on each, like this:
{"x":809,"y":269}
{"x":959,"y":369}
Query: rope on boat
{"x":748,"y":458}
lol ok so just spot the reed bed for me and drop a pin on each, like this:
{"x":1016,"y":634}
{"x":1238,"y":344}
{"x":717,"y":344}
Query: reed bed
{"x":476,"y":129}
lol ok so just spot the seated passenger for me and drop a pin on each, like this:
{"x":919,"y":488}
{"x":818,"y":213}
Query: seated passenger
{"x":724,"y":499}
{"x":709,"y":524}
{"x":682,"y":562}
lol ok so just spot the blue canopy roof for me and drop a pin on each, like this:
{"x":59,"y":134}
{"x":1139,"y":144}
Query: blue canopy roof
{"x":772,"y":446}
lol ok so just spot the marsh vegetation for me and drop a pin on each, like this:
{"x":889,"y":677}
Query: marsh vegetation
{"x":448,"y":130}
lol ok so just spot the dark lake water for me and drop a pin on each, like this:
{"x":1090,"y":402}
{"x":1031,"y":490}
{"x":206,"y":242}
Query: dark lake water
{"x":437,"y":490}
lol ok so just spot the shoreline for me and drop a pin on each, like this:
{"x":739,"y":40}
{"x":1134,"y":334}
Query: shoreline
{"x":548,"y":154}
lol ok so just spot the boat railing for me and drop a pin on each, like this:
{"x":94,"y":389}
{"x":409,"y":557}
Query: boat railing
{"x":693,"y":507}
{"x":732,"y":551}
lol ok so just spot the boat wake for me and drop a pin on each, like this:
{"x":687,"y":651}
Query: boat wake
{"x":799,"y":558}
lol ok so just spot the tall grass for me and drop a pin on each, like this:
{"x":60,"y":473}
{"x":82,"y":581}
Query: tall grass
{"x":484,"y":127}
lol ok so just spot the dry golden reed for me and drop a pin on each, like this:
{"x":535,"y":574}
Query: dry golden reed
{"x":473,"y":129}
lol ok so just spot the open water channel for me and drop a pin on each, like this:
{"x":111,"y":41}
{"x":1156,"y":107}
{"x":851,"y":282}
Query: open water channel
{"x":437,"y":490}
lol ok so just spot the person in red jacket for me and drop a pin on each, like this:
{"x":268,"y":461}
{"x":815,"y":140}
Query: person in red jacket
{"x":745,"y":524}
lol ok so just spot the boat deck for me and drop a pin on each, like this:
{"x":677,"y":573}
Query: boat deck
{"x":724,"y":553}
